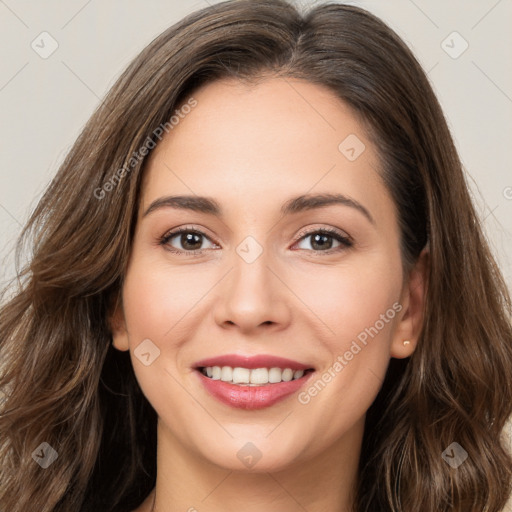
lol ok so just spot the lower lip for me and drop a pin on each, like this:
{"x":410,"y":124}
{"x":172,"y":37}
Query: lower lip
{"x":251,"y":397}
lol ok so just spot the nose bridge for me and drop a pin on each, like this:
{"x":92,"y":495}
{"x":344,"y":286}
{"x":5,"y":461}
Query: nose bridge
{"x":251,"y":294}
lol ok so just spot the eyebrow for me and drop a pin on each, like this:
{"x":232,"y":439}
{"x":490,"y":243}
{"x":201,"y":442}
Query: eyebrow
{"x":295,"y":205}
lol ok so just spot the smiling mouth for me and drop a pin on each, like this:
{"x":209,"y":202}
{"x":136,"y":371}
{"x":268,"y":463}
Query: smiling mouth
{"x":251,"y":377}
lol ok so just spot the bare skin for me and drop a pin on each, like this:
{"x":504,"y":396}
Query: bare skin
{"x":252,"y":149}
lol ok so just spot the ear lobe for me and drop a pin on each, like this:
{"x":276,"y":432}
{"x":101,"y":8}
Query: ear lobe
{"x":118,"y":327}
{"x":413,"y":301}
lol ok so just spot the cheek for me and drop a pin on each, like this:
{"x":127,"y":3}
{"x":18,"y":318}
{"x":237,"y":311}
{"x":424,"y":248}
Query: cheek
{"x":158,"y":305}
{"x":156,"y":299}
{"x":359,"y":305}
{"x":351,"y":299}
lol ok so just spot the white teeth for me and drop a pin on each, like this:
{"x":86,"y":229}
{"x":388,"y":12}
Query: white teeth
{"x":259,"y":376}
{"x":287,"y":374}
{"x":226,"y":374}
{"x":241,"y":375}
{"x":255,"y":377}
{"x":274,"y":375}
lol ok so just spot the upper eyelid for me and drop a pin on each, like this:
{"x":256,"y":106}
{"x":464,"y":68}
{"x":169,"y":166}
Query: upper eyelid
{"x":329,"y":231}
{"x":171,"y":233}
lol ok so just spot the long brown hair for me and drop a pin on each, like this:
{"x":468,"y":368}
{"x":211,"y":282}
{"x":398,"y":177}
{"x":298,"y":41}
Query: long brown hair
{"x":66,"y":385}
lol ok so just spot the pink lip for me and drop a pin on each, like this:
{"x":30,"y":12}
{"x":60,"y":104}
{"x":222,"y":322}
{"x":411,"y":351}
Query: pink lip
{"x":252,"y":362}
{"x":251,"y":397}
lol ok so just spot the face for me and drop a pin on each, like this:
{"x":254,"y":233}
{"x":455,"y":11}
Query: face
{"x":256,"y":275}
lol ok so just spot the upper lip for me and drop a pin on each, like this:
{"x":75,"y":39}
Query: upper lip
{"x":252,"y":362}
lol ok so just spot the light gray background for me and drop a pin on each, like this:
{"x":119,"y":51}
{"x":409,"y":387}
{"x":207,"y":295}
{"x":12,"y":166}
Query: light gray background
{"x":44,"y":103}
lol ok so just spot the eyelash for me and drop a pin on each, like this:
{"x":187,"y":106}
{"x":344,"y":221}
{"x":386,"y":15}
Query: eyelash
{"x":345,"y":241}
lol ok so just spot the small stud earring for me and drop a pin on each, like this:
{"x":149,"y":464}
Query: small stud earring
{"x":407,"y":342}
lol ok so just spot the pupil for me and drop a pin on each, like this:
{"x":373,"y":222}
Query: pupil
{"x":322,"y":245}
{"x":189,"y":239}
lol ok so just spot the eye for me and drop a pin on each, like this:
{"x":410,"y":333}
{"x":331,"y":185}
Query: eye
{"x":322,"y":240}
{"x":189,"y":239}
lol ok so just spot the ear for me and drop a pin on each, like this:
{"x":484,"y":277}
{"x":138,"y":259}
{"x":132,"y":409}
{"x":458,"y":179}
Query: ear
{"x":412,"y":301}
{"x":117,"y":324}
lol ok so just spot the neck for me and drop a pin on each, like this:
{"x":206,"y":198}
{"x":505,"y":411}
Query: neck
{"x":186,"y":481}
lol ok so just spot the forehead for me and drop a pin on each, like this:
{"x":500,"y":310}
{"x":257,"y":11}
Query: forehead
{"x":264,"y":119}
{"x":253,"y":143}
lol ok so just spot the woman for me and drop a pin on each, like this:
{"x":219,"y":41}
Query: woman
{"x":258,"y":281}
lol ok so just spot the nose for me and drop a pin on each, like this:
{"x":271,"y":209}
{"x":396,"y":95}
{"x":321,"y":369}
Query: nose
{"x":252,"y":297}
